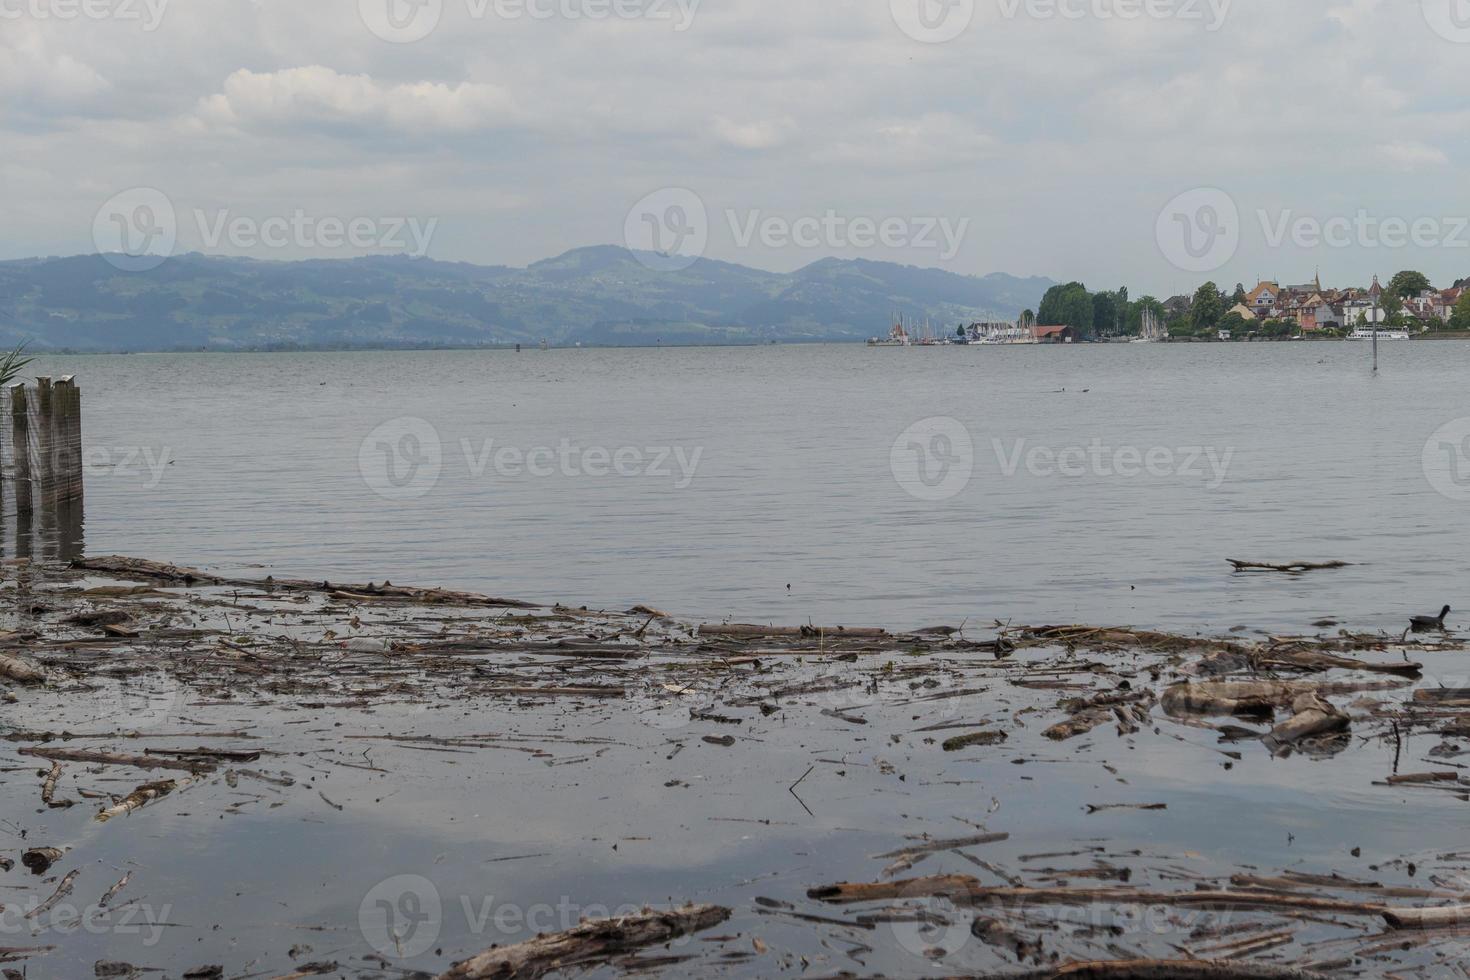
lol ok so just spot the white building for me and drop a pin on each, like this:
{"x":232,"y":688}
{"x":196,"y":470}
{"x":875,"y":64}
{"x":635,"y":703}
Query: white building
{"x":1360,"y":311}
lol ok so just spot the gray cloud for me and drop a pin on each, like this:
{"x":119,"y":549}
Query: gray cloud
{"x":1058,"y":130}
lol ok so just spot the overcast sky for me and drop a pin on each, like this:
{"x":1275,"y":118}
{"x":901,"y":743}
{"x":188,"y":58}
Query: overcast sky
{"x":1025,"y":136}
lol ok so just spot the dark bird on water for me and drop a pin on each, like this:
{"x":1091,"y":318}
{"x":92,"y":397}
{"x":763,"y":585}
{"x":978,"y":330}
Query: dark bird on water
{"x":1422,"y":623}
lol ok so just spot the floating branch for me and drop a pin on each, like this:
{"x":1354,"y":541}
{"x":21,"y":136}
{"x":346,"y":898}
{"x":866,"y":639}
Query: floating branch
{"x":48,"y":789}
{"x":62,"y":890}
{"x":387,"y":592}
{"x":113,"y":759}
{"x":1294,"y":568}
{"x":968,"y":890}
{"x":141,"y":797}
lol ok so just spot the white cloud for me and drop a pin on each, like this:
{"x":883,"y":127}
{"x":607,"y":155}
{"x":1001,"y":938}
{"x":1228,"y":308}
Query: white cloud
{"x":39,"y":75}
{"x":319,"y":95}
{"x":761,"y":134}
{"x":1411,"y":156}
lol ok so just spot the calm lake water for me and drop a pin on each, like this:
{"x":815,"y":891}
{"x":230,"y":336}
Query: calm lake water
{"x":817,"y":467}
{"x":706,"y":481}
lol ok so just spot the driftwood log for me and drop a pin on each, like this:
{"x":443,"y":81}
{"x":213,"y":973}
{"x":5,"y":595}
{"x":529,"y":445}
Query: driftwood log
{"x":140,"y":798}
{"x":21,"y":670}
{"x":968,"y":890}
{"x":48,"y":789}
{"x":1293,"y":880}
{"x":960,"y":742}
{"x":38,"y":860}
{"x":1256,"y":697}
{"x":1453,"y":698}
{"x":1420,"y":779}
{"x":112,"y":892}
{"x":1079,"y":724}
{"x":145,"y":762}
{"x":1436,"y":917}
{"x":62,"y":890}
{"x":1311,"y":716}
{"x":1100,"y":709}
{"x":592,"y":942}
{"x":1315,"y":661}
{"x":1166,"y":970}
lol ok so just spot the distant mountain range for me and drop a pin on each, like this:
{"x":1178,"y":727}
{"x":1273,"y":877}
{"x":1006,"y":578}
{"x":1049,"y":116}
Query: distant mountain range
{"x":602,"y":295}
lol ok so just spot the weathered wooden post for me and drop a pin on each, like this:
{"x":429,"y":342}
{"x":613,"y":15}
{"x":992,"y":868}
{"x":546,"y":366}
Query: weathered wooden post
{"x":69,"y":511}
{"x":67,"y":402}
{"x":78,"y":458}
{"x":20,"y":443}
{"x":43,"y":439}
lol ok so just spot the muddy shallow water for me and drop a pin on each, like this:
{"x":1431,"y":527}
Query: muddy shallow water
{"x":413,"y":804}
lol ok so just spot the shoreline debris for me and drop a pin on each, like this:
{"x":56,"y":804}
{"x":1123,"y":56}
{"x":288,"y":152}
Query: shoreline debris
{"x":370,"y":686}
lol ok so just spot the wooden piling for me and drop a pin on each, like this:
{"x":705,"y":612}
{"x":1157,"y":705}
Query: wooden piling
{"x":43,"y":441}
{"x":20,"y":442}
{"x":67,"y":401}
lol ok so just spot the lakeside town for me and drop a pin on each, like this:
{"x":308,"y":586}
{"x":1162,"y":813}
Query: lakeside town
{"x":1408,"y":307}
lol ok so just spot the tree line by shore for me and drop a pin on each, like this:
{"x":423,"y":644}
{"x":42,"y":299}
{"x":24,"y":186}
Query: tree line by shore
{"x":1211,"y":310}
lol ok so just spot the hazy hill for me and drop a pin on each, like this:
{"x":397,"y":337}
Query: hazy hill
{"x":599,"y":295}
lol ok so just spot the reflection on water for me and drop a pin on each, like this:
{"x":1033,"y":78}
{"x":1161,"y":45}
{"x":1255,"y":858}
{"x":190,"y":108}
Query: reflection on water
{"x":51,"y":533}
